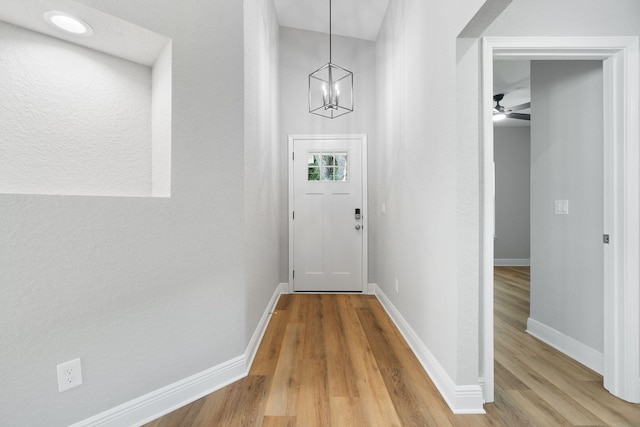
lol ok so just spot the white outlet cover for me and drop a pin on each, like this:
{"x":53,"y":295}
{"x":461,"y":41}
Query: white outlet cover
{"x":69,"y":375}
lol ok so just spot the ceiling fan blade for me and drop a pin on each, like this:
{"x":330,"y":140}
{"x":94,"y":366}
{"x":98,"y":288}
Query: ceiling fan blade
{"x":519,"y":116}
{"x":521,"y":107}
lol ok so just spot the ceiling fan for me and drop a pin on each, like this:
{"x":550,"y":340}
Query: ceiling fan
{"x":500,"y":112}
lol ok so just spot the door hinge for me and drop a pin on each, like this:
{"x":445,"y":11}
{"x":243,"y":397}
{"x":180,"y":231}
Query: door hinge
{"x":294,"y":274}
{"x":293,"y":156}
{"x":605,"y":238}
{"x":294,"y":215}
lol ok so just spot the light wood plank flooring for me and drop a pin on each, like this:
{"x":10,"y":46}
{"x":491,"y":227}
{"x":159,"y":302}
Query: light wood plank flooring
{"x":338,"y":360}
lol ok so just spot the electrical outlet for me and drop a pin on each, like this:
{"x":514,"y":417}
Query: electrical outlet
{"x":69,"y":375}
{"x":397,"y":287}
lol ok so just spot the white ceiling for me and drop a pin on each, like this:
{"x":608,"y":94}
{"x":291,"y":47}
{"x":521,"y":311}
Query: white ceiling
{"x":513,"y":79}
{"x":111,"y":35}
{"x":360,"y":19}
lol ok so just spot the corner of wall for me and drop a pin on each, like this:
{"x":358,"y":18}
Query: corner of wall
{"x":160,"y":402}
{"x":578,"y":351}
{"x":161,"y":83}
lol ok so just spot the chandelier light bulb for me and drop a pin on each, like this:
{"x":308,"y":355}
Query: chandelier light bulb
{"x":327,"y":84}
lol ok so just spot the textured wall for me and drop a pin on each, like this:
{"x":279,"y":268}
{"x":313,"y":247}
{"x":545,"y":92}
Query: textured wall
{"x":146,"y":291}
{"x":74,"y":121}
{"x":302,"y":52}
{"x":512,"y":156}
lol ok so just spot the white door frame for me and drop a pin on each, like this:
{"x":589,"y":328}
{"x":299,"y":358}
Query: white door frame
{"x":362,"y":138}
{"x":621,"y":196}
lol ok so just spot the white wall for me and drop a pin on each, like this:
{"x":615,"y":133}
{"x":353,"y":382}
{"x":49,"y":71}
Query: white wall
{"x":146,"y":291}
{"x":262,"y":160}
{"x":427,"y":183}
{"x":568,"y":18}
{"x":75,"y":121}
{"x":161,"y":79}
{"x":567,"y":164}
{"x":512,"y":154}
{"x":302,"y":52}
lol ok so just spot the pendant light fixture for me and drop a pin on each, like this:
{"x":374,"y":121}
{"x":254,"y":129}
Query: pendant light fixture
{"x":330,"y":88}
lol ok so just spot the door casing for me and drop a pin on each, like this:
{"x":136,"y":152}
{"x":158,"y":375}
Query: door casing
{"x":362,"y":139}
{"x":620,"y":56}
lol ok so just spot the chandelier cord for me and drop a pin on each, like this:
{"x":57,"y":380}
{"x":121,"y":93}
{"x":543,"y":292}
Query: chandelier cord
{"x":330,"y":32}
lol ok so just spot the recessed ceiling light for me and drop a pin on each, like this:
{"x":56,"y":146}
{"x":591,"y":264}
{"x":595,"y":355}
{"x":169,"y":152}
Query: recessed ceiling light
{"x":68,"y":23}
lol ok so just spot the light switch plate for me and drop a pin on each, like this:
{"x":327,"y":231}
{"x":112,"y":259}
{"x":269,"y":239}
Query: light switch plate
{"x":562,"y":207}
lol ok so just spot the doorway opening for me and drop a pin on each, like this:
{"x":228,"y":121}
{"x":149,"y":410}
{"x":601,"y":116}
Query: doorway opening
{"x":621,"y":198}
{"x":541,"y":171}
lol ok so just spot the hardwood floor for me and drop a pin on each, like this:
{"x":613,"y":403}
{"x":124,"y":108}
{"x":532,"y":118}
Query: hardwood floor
{"x":544,"y":385}
{"x":338,"y":360}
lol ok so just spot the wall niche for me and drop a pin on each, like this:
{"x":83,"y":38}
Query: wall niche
{"x":83,"y":115}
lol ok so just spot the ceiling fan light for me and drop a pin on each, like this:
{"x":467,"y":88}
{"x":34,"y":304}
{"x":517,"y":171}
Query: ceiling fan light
{"x":499,"y":116}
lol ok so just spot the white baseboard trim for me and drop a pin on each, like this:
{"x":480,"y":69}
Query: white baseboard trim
{"x":482,"y":383}
{"x":582,"y":353}
{"x":370,"y":290}
{"x":166,"y":399}
{"x":512,"y":262}
{"x":261,"y":328}
{"x":160,"y":402}
{"x":462,"y":399}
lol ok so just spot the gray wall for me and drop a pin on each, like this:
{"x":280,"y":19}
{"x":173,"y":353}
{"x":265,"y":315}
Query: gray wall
{"x":302,"y":52}
{"x":261,"y":158}
{"x":568,"y":18}
{"x":512,"y":161}
{"x":427,"y":175}
{"x":567,"y":164}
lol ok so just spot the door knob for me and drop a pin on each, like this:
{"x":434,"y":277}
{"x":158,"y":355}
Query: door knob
{"x":358,"y":227}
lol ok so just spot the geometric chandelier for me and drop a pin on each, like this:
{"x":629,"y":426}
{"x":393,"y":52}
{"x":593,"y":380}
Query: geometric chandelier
{"x":330,"y":88}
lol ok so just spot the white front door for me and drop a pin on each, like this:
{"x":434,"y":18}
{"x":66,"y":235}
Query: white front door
{"x":327,"y":222}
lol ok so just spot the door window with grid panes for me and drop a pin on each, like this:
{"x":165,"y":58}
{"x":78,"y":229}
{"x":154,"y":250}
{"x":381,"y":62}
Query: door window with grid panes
{"x":327,"y":166}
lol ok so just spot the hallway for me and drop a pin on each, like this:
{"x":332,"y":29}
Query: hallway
{"x":338,"y":360}
{"x":327,"y":360}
